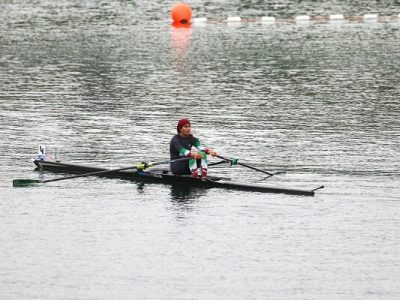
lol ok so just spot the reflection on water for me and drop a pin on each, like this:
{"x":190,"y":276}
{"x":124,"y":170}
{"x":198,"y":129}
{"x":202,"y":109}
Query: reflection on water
{"x":180,"y":193}
{"x":185,"y":193}
{"x":181,"y":37}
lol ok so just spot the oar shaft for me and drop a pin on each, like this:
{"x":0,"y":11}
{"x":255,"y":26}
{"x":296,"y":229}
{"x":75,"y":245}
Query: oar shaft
{"x":256,"y":169}
{"x":115,"y":170}
{"x":217,"y":163}
{"x":247,"y":166}
{"x":90,"y":174}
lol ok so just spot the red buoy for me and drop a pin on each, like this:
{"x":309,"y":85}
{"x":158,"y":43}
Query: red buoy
{"x":181,"y":14}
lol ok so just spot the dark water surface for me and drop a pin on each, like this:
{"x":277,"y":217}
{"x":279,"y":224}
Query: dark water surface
{"x":103,"y":83}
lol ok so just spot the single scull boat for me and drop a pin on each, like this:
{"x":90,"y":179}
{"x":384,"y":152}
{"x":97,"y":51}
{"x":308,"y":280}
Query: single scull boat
{"x":164,"y":176}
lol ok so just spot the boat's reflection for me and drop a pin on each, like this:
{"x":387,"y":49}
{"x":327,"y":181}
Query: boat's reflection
{"x":179,"y":192}
{"x":185,"y":193}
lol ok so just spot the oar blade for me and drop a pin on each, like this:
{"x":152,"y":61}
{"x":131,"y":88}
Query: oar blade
{"x":25,"y":182}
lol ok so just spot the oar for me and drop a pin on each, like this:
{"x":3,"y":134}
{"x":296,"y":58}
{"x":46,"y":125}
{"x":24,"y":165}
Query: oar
{"x":250,"y":167}
{"x":141,"y":166}
{"x":217,"y":163}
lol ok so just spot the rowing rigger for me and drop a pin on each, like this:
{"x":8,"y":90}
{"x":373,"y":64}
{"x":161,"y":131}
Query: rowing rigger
{"x":140,"y":174}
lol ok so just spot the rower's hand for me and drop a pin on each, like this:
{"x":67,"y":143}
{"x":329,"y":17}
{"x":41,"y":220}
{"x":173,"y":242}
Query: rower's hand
{"x":213,"y":153}
{"x":195,"y":155}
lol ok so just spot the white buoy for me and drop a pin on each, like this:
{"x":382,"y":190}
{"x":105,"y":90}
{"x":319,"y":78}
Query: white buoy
{"x":371,"y":17}
{"x":234,"y":19}
{"x":302,"y":18}
{"x":199,"y":20}
{"x":398,"y":16}
{"x":336,"y":17}
{"x":267,"y":19}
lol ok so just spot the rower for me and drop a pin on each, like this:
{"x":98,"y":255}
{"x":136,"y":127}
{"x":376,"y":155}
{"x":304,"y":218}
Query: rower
{"x":181,"y":145}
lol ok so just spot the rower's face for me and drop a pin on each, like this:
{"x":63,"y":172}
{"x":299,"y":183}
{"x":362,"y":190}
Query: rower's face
{"x":186,"y":130}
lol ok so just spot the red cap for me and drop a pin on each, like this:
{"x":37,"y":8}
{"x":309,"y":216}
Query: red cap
{"x":181,"y":123}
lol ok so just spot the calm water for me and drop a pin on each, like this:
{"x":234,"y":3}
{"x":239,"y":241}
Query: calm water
{"x":103,"y":83}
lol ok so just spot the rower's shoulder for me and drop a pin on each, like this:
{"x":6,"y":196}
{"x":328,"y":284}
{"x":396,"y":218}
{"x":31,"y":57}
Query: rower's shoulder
{"x":175,"y":137}
{"x":178,"y":137}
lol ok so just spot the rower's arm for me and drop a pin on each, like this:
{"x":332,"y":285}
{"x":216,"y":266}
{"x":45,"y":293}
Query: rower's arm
{"x":199,"y":146}
{"x":184,"y":152}
{"x":178,"y":148}
{"x":209,"y":151}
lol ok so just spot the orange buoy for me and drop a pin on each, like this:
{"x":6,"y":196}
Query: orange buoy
{"x":181,"y":14}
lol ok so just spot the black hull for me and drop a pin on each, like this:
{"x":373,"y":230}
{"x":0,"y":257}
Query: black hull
{"x":166,"y":178}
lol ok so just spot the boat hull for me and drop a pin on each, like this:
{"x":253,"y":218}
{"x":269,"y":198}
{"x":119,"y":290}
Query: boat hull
{"x":166,"y":177}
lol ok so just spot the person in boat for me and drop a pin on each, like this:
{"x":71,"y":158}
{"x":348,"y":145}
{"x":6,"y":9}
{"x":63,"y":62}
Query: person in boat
{"x":181,"y":145}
